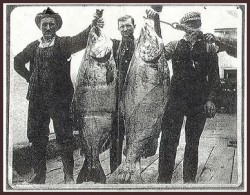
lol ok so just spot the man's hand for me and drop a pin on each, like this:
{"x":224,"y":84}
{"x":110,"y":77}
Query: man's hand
{"x":210,"y":109}
{"x":151,"y":14}
{"x":97,"y":21}
{"x":210,"y":38}
{"x":196,"y":34}
{"x":100,"y":23}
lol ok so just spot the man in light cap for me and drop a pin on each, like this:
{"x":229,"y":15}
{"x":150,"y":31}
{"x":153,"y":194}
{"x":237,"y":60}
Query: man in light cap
{"x":50,"y":90}
{"x":192,"y":93}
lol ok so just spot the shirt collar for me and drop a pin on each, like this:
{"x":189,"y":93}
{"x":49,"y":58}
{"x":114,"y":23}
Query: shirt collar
{"x":44,"y":45}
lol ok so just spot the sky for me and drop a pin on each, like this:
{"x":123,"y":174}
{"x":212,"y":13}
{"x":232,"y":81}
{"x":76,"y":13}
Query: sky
{"x":77,"y":17}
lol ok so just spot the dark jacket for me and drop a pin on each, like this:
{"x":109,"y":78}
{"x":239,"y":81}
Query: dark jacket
{"x":63,"y":48}
{"x":195,"y":77}
{"x":123,"y":52}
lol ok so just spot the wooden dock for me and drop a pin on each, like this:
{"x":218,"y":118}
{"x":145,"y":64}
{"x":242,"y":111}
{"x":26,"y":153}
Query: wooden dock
{"x":218,"y":157}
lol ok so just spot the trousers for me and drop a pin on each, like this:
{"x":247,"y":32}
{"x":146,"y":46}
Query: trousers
{"x":171,"y":128}
{"x":117,"y":136}
{"x":39,"y":115}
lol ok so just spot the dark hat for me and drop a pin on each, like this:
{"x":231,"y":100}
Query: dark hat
{"x":49,"y":13}
{"x":190,"y":16}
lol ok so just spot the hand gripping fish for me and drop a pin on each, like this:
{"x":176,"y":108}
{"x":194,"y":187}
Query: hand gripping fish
{"x":146,"y":88}
{"x":94,"y":103}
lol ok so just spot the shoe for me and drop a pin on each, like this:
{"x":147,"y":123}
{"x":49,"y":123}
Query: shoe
{"x":189,"y":182}
{"x":163,"y":181}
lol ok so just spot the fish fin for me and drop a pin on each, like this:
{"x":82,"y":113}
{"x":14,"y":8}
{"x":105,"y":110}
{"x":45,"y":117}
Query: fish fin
{"x":97,"y":174}
{"x":84,"y":174}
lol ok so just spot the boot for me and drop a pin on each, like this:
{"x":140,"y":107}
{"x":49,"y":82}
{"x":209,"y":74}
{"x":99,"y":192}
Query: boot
{"x":39,"y":163}
{"x":68,"y":164}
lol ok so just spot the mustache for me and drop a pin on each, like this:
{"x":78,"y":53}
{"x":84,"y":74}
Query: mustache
{"x":48,"y":31}
{"x":127,"y":32}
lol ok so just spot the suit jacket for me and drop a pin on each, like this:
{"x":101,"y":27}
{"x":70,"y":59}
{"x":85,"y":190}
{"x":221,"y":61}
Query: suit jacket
{"x":123,"y":52}
{"x":62,"y":49}
{"x":195,"y":77}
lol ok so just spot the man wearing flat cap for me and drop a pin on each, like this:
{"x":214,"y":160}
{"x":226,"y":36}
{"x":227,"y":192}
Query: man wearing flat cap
{"x":50,"y":90}
{"x":192,"y":93}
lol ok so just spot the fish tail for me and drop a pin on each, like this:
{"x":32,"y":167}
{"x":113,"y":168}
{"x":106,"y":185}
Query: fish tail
{"x":97,"y":174}
{"x":91,"y":171}
{"x":84,"y":174}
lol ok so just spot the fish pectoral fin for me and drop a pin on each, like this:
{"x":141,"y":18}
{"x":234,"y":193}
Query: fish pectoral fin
{"x":102,"y":59}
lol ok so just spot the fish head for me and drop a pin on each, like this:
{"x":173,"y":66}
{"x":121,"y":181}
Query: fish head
{"x":100,"y":47}
{"x":150,"y":44}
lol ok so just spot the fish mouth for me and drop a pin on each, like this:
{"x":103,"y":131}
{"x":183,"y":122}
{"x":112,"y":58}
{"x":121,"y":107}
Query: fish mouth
{"x":151,"y":60}
{"x":103,"y":59}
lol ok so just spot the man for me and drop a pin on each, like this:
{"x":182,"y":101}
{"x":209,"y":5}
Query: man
{"x":192,"y":93}
{"x":123,"y":51}
{"x":50,"y":91}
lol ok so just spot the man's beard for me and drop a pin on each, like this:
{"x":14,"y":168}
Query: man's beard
{"x":127,"y":35}
{"x":48,"y":35}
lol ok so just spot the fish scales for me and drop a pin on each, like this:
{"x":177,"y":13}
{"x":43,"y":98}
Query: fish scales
{"x":94,"y":103}
{"x":146,"y":94}
{"x":145,"y":97}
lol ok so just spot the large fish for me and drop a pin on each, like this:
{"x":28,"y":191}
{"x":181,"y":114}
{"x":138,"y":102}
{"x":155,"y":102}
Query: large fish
{"x":146,"y":88}
{"x":94,"y":103}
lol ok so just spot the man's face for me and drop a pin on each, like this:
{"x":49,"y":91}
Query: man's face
{"x":193,"y":24}
{"x":48,"y":27}
{"x":126,"y":28}
{"x":196,"y":34}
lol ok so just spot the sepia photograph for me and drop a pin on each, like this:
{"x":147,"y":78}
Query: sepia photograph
{"x":124,"y":97}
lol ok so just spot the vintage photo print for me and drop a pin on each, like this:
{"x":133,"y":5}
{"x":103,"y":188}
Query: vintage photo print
{"x":125,"y":97}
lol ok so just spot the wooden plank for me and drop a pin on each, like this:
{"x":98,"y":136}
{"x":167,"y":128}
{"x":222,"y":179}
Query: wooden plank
{"x":224,"y":172}
{"x":55,"y":169}
{"x":150,"y":175}
{"x":234,"y":178}
{"x":105,"y":162}
{"x":217,"y":169}
{"x":222,"y":122}
{"x":177,"y":174}
{"x":204,"y":153}
{"x":150,"y":172}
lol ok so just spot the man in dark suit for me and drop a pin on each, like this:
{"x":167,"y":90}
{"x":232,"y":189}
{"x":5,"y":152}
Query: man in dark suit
{"x":50,"y":91}
{"x":192,"y":93}
{"x":123,"y":51}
